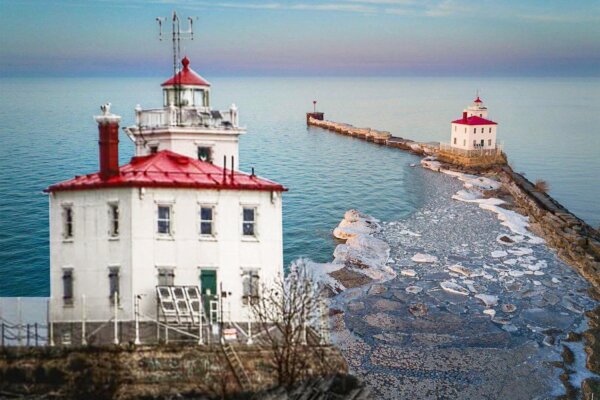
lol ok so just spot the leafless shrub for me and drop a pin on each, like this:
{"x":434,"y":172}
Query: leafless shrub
{"x":541,"y":185}
{"x":288,"y":311}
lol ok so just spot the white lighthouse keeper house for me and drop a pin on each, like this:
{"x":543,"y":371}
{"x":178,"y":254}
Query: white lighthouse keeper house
{"x":163,"y":220}
{"x":187,"y":124}
{"x":474,"y":131}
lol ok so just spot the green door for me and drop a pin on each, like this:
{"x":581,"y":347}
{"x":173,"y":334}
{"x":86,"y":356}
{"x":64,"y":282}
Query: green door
{"x":208,"y":287}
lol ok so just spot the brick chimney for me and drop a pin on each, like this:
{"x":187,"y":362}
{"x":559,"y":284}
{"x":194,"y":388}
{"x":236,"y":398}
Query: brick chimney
{"x":464,"y":115}
{"x":108,"y":141}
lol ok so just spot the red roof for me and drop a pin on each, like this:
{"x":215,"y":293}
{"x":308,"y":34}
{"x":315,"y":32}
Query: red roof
{"x":166,"y":169}
{"x":478,"y":100}
{"x":186,"y":76}
{"x":474,"y":120}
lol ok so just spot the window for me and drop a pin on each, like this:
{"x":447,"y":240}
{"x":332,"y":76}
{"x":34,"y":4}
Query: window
{"x":164,"y":220}
{"x":113,"y":219}
{"x":166,"y":277}
{"x":482,"y":130}
{"x":490,"y":130}
{"x":68,"y":222}
{"x":113,"y":284}
{"x":489,"y":142}
{"x":481,"y":115}
{"x":474,"y":130}
{"x":465,"y":130}
{"x":474,"y":142}
{"x":464,"y":142}
{"x":249,"y":223}
{"x":68,"y":286}
{"x":206,"y":220}
{"x":250,"y":287}
{"x":454,"y":140}
{"x":154,"y":149}
{"x":205,"y":154}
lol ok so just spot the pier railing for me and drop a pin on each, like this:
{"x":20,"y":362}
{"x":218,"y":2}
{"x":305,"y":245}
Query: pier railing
{"x":477,"y":152}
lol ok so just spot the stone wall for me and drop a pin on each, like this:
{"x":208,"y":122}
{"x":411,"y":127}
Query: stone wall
{"x":576,"y":243}
{"x":128,"y":372}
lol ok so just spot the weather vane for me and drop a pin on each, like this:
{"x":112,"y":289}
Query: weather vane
{"x":176,"y":35}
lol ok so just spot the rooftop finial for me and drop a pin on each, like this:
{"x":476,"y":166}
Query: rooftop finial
{"x":105,"y":108}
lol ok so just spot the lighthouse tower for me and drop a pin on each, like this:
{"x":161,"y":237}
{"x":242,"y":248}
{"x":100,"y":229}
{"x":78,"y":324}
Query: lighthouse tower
{"x":187,"y":124}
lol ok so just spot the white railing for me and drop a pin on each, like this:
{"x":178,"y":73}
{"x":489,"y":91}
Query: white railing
{"x":187,"y":117}
{"x":478,"y":151}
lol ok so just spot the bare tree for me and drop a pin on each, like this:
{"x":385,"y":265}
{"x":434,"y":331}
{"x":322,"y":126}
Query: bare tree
{"x":288,"y":311}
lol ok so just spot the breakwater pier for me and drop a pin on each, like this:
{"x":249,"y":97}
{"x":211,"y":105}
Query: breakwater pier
{"x":576,"y":242}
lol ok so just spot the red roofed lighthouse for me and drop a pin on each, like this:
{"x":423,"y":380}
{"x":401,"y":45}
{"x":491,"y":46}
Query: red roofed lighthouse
{"x":474,"y":131}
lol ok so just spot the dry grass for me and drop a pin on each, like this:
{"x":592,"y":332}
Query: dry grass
{"x":541,"y":185}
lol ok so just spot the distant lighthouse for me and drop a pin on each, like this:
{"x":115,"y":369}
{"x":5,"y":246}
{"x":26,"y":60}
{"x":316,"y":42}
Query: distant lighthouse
{"x":474,"y":131}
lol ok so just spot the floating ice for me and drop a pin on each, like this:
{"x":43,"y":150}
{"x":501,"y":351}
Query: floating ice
{"x":521,"y":251}
{"x":354,"y":224}
{"x":508,"y":308}
{"x":489,"y":311}
{"x":408,"y":272}
{"x":413,"y":289}
{"x":516,"y":273}
{"x":459,"y":269}
{"x":487,"y":299}
{"x":454,"y":288}
{"x":320,"y":273}
{"x":409,"y":233}
{"x":499,"y":253}
{"x":424,"y":258}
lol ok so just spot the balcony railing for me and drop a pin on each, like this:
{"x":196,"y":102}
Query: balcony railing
{"x":478,"y":151}
{"x":187,"y":117}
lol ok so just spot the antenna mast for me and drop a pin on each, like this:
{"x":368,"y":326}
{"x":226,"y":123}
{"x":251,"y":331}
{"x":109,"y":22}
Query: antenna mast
{"x":177,"y":35}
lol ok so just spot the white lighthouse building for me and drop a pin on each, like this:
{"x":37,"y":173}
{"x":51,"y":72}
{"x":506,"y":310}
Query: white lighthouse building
{"x":172,"y":237}
{"x":474,"y":131}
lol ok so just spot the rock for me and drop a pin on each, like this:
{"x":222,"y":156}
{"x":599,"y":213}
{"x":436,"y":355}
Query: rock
{"x":413,"y":289}
{"x":424,"y":258}
{"x":487,"y":299}
{"x":356,"y":306}
{"x":408,"y":272}
{"x":508,"y":308}
{"x":376,"y":289}
{"x":454,"y":288}
{"x":549,"y":340}
{"x":418,"y":310}
{"x":459,"y":269}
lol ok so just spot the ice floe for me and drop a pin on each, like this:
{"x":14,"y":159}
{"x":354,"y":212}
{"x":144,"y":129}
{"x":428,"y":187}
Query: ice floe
{"x":354,"y":224}
{"x":487,"y":299}
{"x":424,"y":258}
{"x":454,"y":288}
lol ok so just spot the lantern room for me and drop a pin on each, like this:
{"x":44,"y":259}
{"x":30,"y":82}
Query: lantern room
{"x":186,"y":89}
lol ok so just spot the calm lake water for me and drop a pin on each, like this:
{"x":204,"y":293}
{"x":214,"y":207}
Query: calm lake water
{"x":550,"y":128}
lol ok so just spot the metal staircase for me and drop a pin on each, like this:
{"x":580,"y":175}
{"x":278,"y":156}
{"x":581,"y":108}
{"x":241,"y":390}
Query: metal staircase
{"x":236,"y":365}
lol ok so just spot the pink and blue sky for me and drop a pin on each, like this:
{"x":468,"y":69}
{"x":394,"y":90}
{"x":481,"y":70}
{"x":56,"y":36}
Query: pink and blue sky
{"x":304,"y":37}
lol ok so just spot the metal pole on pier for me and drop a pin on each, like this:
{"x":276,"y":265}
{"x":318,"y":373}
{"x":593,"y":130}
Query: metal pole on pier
{"x":137,"y":320}
{"x":50,"y":326}
{"x":116,"y":318}
{"x":83,"y":320}
{"x":20,"y":326}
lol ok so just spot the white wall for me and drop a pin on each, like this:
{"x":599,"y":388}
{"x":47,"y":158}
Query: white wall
{"x":140,"y":250}
{"x":465,"y":135}
{"x":90,"y":252}
{"x":184,"y":142}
